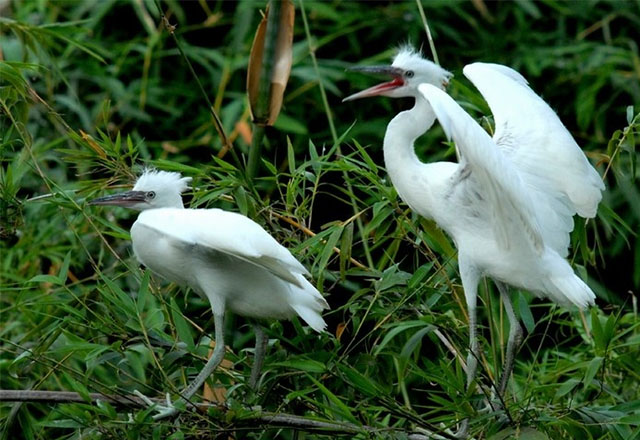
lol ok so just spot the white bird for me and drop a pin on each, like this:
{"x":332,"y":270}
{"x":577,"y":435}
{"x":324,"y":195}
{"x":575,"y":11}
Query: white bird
{"x":225,"y":257}
{"x":509,"y":203}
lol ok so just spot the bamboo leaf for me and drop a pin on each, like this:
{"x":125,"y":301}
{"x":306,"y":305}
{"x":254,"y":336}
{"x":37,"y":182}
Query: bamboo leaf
{"x":182,"y":328}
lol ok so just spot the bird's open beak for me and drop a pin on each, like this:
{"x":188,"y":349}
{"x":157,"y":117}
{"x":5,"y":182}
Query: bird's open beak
{"x":125,"y":199}
{"x":394,"y":72}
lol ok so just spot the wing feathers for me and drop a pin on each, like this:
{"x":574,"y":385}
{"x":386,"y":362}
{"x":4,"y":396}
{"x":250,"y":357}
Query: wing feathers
{"x":230,"y":233}
{"x":500,"y":182}
{"x":562,"y":182}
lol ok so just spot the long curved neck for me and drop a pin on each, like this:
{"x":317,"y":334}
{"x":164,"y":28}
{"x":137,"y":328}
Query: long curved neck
{"x":402,"y":132}
{"x":401,"y":161}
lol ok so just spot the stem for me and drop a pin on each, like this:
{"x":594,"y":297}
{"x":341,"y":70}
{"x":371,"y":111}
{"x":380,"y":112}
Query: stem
{"x":628,"y":129}
{"x":217,"y":122}
{"x":428,"y":30}
{"x":334,"y":136}
{"x":264,"y":89}
{"x":254,"y":152}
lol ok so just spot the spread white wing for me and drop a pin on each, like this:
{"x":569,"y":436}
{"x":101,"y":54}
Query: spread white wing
{"x":500,"y":186}
{"x":560,"y":179}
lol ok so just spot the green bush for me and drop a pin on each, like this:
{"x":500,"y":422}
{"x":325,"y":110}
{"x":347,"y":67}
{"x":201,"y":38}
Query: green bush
{"x":92,"y":91}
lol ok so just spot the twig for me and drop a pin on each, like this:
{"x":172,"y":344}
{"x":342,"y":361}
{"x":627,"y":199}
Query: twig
{"x":334,"y":134}
{"x":69,"y":397}
{"x":261,"y":417}
{"x":428,"y":30}
{"x":627,"y":130}
{"x":310,"y":233}
{"x":226,"y":144}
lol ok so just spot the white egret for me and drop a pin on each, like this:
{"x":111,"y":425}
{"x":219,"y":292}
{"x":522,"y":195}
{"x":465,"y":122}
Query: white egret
{"x":509,"y":203}
{"x":223,"y":256}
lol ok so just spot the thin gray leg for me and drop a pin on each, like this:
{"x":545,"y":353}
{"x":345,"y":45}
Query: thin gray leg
{"x":258,"y":355}
{"x":212,"y":363}
{"x":470,"y":278}
{"x":515,"y":337}
{"x":218,"y":354}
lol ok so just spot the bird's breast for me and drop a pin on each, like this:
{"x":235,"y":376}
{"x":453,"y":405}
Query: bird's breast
{"x":156,"y":251}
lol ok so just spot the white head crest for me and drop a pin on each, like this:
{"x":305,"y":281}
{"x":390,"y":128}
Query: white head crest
{"x":157,"y":180}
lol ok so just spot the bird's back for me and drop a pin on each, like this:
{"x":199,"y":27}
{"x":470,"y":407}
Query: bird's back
{"x":228,"y":258}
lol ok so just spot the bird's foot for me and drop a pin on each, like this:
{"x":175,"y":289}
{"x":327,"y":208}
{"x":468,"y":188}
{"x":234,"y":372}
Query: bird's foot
{"x":463,"y":431}
{"x":163,"y":411}
{"x":495,"y":404}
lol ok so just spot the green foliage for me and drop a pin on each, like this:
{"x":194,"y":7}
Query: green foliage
{"x":92,"y":91}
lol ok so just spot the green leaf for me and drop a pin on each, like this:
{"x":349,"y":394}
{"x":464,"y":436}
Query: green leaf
{"x":64,"y":269}
{"x":598,"y":332}
{"x":182,"y":328}
{"x":567,"y":387}
{"x":339,"y":406}
{"x":143,"y":292}
{"x":419,"y":275}
{"x":392,"y":277}
{"x":397,"y":329}
{"x":290,"y":125}
{"x":328,"y":251}
{"x":121,"y":299}
{"x":363,"y":383}
{"x":592,"y":369}
{"x":291,"y":157}
{"x":45,"y":279}
{"x":525,"y":313}
{"x":302,"y":364}
{"x":414,"y":341}
{"x":240,"y":196}
{"x":346,"y":245}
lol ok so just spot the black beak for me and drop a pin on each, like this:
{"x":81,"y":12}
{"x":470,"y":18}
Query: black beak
{"x":394,"y":72}
{"x":378,"y":70}
{"x":125,"y":199}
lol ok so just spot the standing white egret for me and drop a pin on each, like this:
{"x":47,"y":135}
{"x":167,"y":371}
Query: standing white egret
{"x":225,"y":257}
{"x":509,"y":202}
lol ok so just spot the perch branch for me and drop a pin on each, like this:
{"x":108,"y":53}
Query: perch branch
{"x":262,"y":417}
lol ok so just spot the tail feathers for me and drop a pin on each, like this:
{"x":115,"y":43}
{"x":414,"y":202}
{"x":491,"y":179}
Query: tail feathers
{"x":571,"y":290}
{"x":311,"y":317}
{"x":308,"y":303}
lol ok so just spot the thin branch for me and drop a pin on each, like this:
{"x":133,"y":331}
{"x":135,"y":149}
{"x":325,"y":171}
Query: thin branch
{"x":226,"y":144}
{"x":334,"y":133}
{"x":257,"y":416}
{"x":428,"y":30}
{"x":69,"y":397}
{"x":629,"y":129}
{"x":310,"y":233}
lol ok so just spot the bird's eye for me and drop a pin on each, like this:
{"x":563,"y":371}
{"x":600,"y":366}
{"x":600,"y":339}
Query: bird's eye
{"x":151,"y":195}
{"x":409,"y":74}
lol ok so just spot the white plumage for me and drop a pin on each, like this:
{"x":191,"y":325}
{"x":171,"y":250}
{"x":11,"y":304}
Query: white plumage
{"x":229,"y":259}
{"x":225,"y":257}
{"x":509,"y":202}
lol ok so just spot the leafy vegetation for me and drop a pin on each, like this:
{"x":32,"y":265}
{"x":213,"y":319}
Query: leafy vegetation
{"x":91,"y":91}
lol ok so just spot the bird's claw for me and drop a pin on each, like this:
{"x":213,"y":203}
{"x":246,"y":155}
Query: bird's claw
{"x":463,"y":431}
{"x":163,"y":411}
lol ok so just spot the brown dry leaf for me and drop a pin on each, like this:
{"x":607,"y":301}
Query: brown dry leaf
{"x":339,"y":330}
{"x":169,"y":147}
{"x":93,"y":144}
{"x":283,"y":58}
{"x":244,"y":130}
{"x":482,"y":8}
